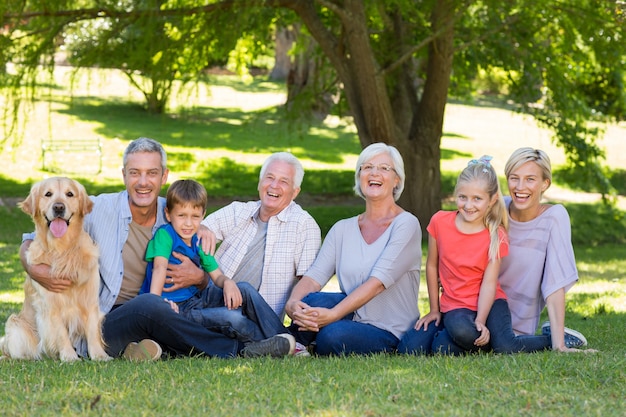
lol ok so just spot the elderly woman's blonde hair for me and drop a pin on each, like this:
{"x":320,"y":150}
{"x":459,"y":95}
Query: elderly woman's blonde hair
{"x":398,"y":166}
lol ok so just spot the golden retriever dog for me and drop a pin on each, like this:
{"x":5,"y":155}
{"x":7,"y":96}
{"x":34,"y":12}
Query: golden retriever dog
{"x":51,"y":323}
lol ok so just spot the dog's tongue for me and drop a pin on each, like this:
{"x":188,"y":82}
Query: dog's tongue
{"x":58,"y":227}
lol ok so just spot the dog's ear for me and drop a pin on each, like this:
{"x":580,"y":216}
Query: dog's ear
{"x":85,"y":201}
{"x":29,"y":206}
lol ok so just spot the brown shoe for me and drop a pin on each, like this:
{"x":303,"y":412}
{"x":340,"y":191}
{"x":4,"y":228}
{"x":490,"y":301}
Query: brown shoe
{"x":146,"y":350}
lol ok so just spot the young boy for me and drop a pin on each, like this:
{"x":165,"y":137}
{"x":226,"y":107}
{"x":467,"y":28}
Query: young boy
{"x":185,"y":209}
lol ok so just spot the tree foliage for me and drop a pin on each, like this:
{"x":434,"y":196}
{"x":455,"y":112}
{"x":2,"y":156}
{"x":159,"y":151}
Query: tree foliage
{"x":396,"y":61}
{"x":399,"y":60}
{"x":151,"y":49}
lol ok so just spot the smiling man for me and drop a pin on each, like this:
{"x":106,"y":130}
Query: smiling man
{"x":268,"y":243}
{"x":141,"y":327}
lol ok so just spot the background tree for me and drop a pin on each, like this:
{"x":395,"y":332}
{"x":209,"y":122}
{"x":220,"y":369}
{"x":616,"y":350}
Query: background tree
{"x":152,"y":50}
{"x":396,"y":62}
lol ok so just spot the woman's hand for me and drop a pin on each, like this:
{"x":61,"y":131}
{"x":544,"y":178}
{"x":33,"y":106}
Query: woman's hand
{"x":565,"y":349}
{"x":314,"y":318}
{"x":303,"y":315}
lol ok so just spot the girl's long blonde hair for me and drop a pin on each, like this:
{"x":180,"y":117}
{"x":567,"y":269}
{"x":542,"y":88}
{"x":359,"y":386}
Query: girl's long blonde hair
{"x":496,"y":217}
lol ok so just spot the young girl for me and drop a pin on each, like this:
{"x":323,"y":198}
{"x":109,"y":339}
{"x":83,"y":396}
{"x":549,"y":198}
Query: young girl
{"x":464,"y":252}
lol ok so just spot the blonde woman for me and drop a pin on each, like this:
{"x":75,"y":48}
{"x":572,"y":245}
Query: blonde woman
{"x":541,"y":266}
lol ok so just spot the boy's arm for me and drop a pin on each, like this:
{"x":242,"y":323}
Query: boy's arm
{"x":232,"y":294}
{"x":159,"y":272}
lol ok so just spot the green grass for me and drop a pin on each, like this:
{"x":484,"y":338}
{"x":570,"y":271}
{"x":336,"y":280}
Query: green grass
{"x":223,"y":146}
{"x":535,"y":384}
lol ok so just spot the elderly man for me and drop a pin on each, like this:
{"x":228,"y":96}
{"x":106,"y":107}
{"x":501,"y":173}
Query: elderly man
{"x":268,"y":244}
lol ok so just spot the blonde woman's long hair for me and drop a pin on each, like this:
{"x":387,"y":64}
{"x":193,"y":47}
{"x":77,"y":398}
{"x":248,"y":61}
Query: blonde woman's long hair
{"x":496,"y":217}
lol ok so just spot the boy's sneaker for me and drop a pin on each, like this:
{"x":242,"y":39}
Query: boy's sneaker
{"x":573,"y":339}
{"x":301,"y":350}
{"x":276,"y":347}
{"x":146,"y":350}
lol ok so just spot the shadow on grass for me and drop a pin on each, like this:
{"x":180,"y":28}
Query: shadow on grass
{"x":261,"y":131}
{"x":485,"y":101}
{"x":452,"y":154}
{"x":256,"y":85}
{"x":12,"y":188}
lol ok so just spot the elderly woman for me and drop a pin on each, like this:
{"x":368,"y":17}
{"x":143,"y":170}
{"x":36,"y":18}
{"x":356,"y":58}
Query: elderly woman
{"x":376,"y":257}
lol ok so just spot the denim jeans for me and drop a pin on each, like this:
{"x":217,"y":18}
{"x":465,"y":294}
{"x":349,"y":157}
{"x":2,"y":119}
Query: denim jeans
{"x":253,"y":321}
{"x":419,"y":342}
{"x":444,"y":345}
{"x":148,"y":316}
{"x":504,"y":340}
{"x":344,"y":336}
{"x":460,"y":326}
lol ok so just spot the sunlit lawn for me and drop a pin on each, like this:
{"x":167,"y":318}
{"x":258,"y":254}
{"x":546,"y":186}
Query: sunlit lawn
{"x":221,"y":140}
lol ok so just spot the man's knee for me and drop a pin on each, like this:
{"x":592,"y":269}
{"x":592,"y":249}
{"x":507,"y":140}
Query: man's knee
{"x":150,"y":305}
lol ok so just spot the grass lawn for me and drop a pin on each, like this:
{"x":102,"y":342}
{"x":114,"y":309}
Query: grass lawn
{"x":221,"y":141}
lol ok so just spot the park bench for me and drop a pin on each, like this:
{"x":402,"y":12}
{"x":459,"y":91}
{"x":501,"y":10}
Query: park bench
{"x":71,"y":155}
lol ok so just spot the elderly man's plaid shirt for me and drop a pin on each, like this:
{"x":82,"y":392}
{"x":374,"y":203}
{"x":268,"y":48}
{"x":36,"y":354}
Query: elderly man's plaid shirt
{"x":292,"y":242}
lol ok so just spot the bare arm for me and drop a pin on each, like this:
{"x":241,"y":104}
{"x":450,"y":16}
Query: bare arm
{"x":159,"y":271}
{"x":486,"y":297}
{"x":355,"y":300}
{"x":232,"y":294}
{"x":432,"y":282}
{"x":555,"y":304}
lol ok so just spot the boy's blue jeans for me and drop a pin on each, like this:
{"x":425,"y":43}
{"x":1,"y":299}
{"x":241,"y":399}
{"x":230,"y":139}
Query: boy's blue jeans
{"x":253,"y":321}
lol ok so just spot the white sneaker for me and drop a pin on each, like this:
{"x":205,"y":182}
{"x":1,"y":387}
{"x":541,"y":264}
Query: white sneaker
{"x":301,"y":350}
{"x":573,"y":339}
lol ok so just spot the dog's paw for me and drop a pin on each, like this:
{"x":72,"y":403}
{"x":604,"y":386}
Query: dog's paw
{"x":102,"y":358}
{"x":69,"y":356}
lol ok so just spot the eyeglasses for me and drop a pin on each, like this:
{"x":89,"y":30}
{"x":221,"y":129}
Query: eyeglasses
{"x":380,"y":167}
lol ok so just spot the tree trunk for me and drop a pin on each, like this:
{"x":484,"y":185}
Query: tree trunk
{"x":414,"y":122}
{"x":285,"y":38}
{"x":308,"y":94}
